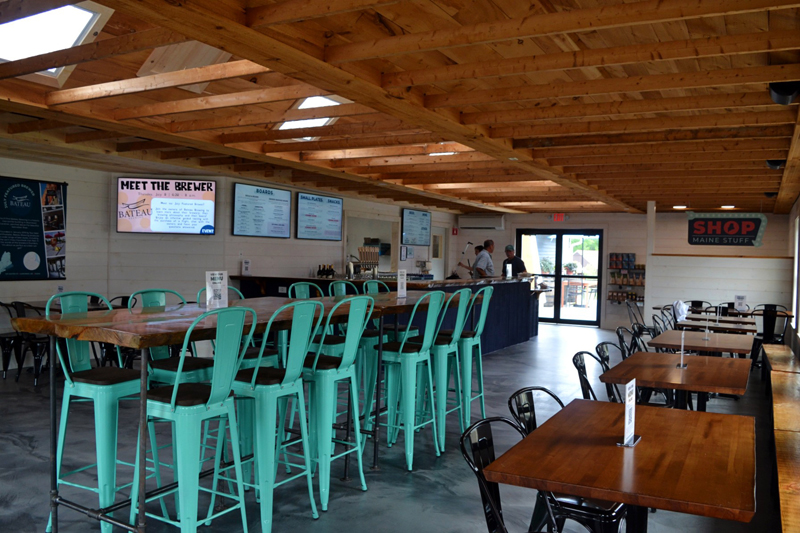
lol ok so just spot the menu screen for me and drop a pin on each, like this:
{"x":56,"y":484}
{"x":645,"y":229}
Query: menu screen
{"x":261,"y":211}
{"x":149,"y":205}
{"x":416,"y":228}
{"x":319,"y":217}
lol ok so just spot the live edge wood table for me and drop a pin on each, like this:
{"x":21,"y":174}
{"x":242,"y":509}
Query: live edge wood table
{"x":143,"y":329}
{"x":686,"y":461}
{"x":702,"y":374}
{"x":693,"y":340}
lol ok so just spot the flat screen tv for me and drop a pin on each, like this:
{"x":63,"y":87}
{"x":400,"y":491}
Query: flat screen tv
{"x":261,"y":211}
{"x":416,"y":228}
{"x":319,"y":217}
{"x":158,"y":205}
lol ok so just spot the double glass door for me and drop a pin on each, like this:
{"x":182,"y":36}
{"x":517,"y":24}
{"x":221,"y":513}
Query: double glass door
{"x":570,"y":263}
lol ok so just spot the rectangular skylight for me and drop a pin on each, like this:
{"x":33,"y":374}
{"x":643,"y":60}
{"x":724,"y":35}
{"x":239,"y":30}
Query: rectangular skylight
{"x":317,"y":101}
{"x":434,"y":154}
{"x":307,"y":123}
{"x":43,"y":33}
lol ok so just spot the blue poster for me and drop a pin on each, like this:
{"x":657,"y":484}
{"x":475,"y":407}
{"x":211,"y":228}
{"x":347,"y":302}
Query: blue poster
{"x":33,"y":229}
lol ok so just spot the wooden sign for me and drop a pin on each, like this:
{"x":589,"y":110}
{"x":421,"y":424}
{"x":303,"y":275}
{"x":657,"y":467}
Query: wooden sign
{"x":726,"y":229}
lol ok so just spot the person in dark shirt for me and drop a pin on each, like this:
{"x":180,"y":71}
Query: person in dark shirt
{"x":517,"y":265}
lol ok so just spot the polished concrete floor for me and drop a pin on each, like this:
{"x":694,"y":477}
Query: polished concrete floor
{"x":440,"y":495}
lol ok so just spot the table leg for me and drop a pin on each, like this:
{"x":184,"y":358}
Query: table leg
{"x":636,"y":519}
{"x":681,"y":399}
{"x":702,"y":398}
{"x":53,"y":439}
{"x":143,"y":440}
{"x":376,"y":427}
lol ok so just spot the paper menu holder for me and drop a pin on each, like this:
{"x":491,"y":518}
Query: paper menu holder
{"x":401,"y":283}
{"x":682,"y":365}
{"x":629,"y":438}
{"x":216,"y":295}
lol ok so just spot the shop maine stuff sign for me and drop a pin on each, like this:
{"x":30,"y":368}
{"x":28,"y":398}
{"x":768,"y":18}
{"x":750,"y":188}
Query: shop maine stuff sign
{"x":726,"y":229}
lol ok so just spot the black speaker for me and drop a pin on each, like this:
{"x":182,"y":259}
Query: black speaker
{"x":784,"y":92}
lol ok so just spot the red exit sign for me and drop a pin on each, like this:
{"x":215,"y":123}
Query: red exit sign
{"x":558,"y":217}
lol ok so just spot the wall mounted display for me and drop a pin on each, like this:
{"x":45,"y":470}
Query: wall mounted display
{"x":33,"y":229}
{"x":156,"y":205}
{"x":416,"y":228}
{"x":319,"y":217}
{"x":726,"y":229}
{"x":261,"y":211}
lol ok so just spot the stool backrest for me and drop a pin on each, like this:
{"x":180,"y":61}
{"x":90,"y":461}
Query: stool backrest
{"x":78,"y":357}
{"x":484,"y":296}
{"x":374,"y":286}
{"x":340,"y":286}
{"x":302,"y":290}
{"x":522,"y":406}
{"x":230,"y":288}
{"x":464,"y":297}
{"x":359,"y":313}
{"x":434,"y":301}
{"x":229,"y":350}
{"x":151,"y":298}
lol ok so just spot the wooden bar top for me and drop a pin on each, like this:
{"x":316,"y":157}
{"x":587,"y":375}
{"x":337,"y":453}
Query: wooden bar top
{"x":704,"y":374}
{"x":718,"y":328}
{"x":787,"y":455}
{"x":781,"y":358}
{"x":687,"y":461}
{"x":693,"y":340}
{"x":722,"y":319}
{"x":785,"y":400}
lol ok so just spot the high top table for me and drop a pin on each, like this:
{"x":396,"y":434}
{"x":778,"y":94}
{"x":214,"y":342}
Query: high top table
{"x":143,"y":329}
{"x":686,"y":461}
{"x":694,"y":340}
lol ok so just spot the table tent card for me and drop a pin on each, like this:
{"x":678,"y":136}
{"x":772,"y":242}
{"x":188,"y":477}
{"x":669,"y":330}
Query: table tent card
{"x":740,"y":302}
{"x":630,"y":439}
{"x":401,"y":283}
{"x":216,"y":289}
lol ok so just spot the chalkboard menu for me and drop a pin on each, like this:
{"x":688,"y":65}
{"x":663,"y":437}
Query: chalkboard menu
{"x":416,"y":228}
{"x":261,"y":211}
{"x":319,"y":217}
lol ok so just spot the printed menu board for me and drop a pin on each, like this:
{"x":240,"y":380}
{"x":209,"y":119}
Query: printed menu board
{"x":150,"y":205}
{"x":261,"y":211}
{"x":416,"y":228}
{"x":319,"y":217}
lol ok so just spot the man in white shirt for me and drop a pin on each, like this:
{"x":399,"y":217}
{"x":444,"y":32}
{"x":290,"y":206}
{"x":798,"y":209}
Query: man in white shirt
{"x":484,"y":267}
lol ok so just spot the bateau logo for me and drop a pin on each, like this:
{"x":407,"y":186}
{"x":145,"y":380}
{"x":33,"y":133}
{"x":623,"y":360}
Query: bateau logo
{"x":137,"y":209}
{"x":19,"y":199}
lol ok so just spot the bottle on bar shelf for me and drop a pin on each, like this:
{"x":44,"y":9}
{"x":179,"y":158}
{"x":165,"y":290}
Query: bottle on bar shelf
{"x":319,"y":271}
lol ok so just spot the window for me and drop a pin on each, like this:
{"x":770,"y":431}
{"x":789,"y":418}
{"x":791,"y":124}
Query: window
{"x":312,"y":102}
{"x":53,"y":30}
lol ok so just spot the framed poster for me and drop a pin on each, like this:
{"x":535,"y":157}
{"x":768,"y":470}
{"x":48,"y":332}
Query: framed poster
{"x":416,"y":228}
{"x":319,"y":217}
{"x":261,"y":211}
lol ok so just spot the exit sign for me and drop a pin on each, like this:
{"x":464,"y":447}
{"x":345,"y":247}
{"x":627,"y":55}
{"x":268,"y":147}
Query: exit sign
{"x":558,"y":217}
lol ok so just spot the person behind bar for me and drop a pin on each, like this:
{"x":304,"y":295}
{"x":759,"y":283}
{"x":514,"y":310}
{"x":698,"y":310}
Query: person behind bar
{"x":484,"y":267}
{"x":517,"y":265}
{"x":469,"y":268}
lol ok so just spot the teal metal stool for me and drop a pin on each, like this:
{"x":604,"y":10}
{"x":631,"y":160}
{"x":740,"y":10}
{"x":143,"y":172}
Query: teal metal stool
{"x":340,"y":286}
{"x":323,"y":373}
{"x":402,"y":359}
{"x":466,"y":348}
{"x":303,"y":290}
{"x":104,"y":387}
{"x":270,"y":390}
{"x":187,"y":406}
{"x":395,"y":332}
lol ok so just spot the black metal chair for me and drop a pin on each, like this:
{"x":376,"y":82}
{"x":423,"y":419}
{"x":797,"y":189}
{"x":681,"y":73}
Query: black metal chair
{"x":39,"y":345}
{"x":595,"y":515}
{"x":586,"y":388}
{"x":659,"y":324}
{"x":10,"y":340}
{"x":721,"y":310}
{"x":636,"y":317}
{"x":668,"y":315}
{"x":628,"y":342}
{"x":732,"y":306}
{"x":639,"y":331}
{"x":697,"y":305}
{"x":773,"y":330}
{"x":603,"y":350}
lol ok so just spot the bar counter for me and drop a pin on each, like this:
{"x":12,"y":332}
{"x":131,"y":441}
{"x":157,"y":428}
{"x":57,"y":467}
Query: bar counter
{"x":513,"y":316}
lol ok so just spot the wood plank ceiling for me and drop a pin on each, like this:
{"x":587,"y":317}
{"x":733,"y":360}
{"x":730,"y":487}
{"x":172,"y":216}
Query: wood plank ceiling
{"x":540,"y":105}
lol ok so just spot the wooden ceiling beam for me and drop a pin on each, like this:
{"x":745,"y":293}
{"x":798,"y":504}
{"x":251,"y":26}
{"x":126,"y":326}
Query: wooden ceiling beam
{"x":620,"y":55}
{"x":422,"y":179}
{"x":258,"y":117}
{"x":354,"y":142}
{"x":687,"y":147}
{"x":138,"y":146}
{"x":97,"y":135}
{"x":432,"y":167}
{"x":125,"y":44}
{"x":386,"y":126}
{"x":379,"y":162}
{"x":658,"y":137}
{"x":187,"y":154}
{"x":12,"y":10}
{"x":219,"y":161}
{"x":325,"y":155}
{"x":555,"y":111}
{"x":36,"y":125}
{"x":220,"y":101}
{"x":640,"y":159}
{"x":233,"y":69}
{"x":570,"y":21}
{"x":253,"y":167}
{"x":675,"y":174}
{"x":548,"y":206}
{"x":499,"y":185}
{"x":632,"y":84}
{"x":790,"y":182}
{"x":290,"y":11}
{"x":623,"y":166}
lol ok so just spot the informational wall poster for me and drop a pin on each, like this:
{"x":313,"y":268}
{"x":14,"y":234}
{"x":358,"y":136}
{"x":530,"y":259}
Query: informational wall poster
{"x":150,"y":205}
{"x":33,"y":229}
{"x":726,"y":229}
{"x":416,"y":228}
{"x":319,"y":217}
{"x":261,"y":211}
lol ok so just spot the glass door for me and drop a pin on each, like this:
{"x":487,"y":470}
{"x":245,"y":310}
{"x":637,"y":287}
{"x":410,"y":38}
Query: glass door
{"x":570,"y":263}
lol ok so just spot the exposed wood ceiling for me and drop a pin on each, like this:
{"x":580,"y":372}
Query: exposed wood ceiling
{"x":548,"y":105}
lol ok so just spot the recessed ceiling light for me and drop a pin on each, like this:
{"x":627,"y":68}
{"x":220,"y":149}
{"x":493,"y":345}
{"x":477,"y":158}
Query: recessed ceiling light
{"x":728,"y":206}
{"x":513,"y":158}
{"x":678,"y":207}
{"x":434,"y":154}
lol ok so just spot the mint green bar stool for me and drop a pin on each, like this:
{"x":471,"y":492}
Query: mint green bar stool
{"x":271,"y":389}
{"x":396,"y":332}
{"x":303,"y":290}
{"x":104,"y":387}
{"x":402,"y":359}
{"x":187,"y":406}
{"x":466,"y":347}
{"x":340,"y":288}
{"x":323,"y":373}
{"x":368,"y":356}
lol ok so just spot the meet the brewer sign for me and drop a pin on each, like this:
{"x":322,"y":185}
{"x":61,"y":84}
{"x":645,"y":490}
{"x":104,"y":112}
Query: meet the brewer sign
{"x":726,"y":229}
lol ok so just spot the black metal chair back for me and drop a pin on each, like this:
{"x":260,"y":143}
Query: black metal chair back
{"x":523,"y":408}
{"x":668,"y":316}
{"x":773,"y":307}
{"x":626,"y":347}
{"x":586,"y":388}
{"x":638,"y":343}
{"x":659,"y":324}
{"x":603,"y":350}
{"x":698,"y":305}
{"x":770,"y":318}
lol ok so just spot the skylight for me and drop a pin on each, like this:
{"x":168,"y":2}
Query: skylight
{"x":46,"y":32}
{"x":317,"y":101}
{"x":307,"y":123}
{"x":434,"y":154}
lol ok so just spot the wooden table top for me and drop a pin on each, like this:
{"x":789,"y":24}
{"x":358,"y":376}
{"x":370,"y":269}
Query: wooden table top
{"x":719,"y":328}
{"x":787,"y":454}
{"x":781,"y":358}
{"x":785,"y":400}
{"x":687,"y":461}
{"x":41,"y":305}
{"x":145,"y":328}
{"x":693,"y":340}
{"x":725,"y":375}
{"x":722,"y":319}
